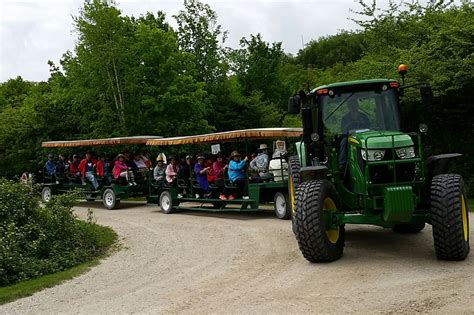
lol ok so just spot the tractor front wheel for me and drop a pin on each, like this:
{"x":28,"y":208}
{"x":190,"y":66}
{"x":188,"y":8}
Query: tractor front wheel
{"x":449,"y":217}
{"x":408,"y":228}
{"x":319,"y":238}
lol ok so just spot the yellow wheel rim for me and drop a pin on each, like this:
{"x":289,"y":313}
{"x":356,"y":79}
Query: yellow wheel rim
{"x":332,"y":233}
{"x":465,"y":224}
{"x":292,"y":195}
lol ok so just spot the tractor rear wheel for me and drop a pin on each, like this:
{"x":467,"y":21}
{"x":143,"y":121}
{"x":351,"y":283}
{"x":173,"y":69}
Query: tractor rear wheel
{"x":319,"y":239}
{"x":449,"y":217}
{"x":408,"y":228}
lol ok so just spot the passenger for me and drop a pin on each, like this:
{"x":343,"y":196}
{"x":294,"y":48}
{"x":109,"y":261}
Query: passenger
{"x":185,"y":168}
{"x":122,"y":170}
{"x":129,"y":161}
{"x":159,"y":170}
{"x":218,"y":168}
{"x":50,"y":166}
{"x":260,"y":163}
{"x":61,"y":166}
{"x":86,"y":167}
{"x":171,"y":170}
{"x":102,"y":169}
{"x":74,"y":166}
{"x":146,"y":157}
{"x":210,"y":172}
{"x":280,"y":150}
{"x":237,"y":174}
{"x":200,"y":170}
{"x":140,"y":161}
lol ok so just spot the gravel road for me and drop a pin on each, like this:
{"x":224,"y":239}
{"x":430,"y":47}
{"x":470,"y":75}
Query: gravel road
{"x":249,"y":263}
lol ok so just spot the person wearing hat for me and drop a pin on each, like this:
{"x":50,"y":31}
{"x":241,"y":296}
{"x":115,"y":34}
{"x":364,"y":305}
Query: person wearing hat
{"x":122,"y":170}
{"x":50,"y":166}
{"x":200,"y":170}
{"x":237,"y":174}
{"x":260,"y":163}
{"x":159,"y":170}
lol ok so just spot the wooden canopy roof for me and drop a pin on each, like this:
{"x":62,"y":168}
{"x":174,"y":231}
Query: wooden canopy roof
{"x":229,"y":136}
{"x":98,"y":142}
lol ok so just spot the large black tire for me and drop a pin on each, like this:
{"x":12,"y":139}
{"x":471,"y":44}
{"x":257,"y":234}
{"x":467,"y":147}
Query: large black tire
{"x":166,"y":202}
{"x":46,"y":194}
{"x":317,"y":242}
{"x":110,"y":200}
{"x":408,"y":228}
{"x":294,"y":181}
{"x":281,"y":205}
{"x":449,"y":217}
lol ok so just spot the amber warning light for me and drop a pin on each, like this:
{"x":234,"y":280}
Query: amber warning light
{"x":402,"y":69}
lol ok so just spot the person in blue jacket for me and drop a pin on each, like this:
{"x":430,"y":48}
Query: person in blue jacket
{"x":50,"y":166}
{"x":237,"y":173}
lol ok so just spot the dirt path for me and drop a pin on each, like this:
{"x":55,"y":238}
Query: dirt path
{"x":249,"y":263}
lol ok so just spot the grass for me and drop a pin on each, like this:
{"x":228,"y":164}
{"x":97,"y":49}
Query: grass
{"x":28,"y":287}
{"x":470,"y":204}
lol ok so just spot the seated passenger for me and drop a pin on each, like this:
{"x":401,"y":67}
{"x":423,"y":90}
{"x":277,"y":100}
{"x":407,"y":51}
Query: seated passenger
{"x":61,"y":166}
{"x":159,"y":170}
{"x":260,"y":163}
{"x":237,"y":174}
{"x":200,"y":170}
{"x":74,"y":166}
{"x":122,"y":170}
{"x":171,"y":170}
{"x":102,"y":169}
{"x":129,"y":161}
{"x":50,"y":166}
{"x":140,"y":161}
{"x":280,"y":150}
{"x":86,"y":167}
{"x":218,"y":168}
{"x":210,"y":172}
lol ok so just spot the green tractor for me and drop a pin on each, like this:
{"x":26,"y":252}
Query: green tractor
{"x":356,"y":166}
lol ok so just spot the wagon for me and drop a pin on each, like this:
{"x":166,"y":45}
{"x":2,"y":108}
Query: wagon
{"x":272,"y":190}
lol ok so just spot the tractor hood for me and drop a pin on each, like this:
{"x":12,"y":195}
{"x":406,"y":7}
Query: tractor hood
{"x":381,"y":139}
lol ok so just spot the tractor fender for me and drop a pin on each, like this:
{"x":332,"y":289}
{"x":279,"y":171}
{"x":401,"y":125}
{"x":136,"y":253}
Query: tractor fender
{"x":438,"y":164}
{"x":313,"y":172}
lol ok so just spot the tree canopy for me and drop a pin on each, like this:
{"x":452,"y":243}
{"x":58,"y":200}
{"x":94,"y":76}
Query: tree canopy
{"x":140,"y":76}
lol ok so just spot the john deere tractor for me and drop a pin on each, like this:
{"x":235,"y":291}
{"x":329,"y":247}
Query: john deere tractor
{"x":356,"y":166}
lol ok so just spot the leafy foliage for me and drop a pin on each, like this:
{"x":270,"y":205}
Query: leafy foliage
{"x":137,"y":76}
{"x":37,"y":240}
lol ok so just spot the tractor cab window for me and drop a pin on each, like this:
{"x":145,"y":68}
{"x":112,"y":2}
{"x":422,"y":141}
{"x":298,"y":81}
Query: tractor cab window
{"x":347,"y":112}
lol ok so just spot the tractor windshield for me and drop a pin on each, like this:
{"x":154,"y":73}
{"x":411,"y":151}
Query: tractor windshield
{"x":346,"y":112}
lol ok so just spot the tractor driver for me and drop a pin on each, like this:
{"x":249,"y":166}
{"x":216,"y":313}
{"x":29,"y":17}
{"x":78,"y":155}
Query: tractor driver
{"x":353,"y":120}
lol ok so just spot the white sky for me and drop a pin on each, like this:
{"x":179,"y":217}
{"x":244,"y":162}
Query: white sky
{"x":33,"y":32}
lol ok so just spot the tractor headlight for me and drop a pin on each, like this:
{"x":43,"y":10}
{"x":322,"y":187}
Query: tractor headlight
{"x":373,"y":155}
{"x":406,"y":153}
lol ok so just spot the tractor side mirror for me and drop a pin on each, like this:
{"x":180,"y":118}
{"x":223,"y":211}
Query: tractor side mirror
{"x":294,"y":104}
{"x":426,"y":93}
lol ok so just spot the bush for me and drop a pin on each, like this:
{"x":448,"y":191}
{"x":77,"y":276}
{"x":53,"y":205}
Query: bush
{"x":36,"y":240}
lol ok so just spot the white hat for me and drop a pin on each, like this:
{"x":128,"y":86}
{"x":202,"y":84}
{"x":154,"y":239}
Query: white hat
{"x":263,"y":147}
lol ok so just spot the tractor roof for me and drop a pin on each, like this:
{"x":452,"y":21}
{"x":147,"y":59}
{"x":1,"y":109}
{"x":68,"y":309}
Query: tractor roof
{"x":356,"y":82}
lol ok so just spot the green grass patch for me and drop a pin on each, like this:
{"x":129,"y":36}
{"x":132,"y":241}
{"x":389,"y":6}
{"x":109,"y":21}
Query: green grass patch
{"x":470,"y":204}
{"x":106,"y":238}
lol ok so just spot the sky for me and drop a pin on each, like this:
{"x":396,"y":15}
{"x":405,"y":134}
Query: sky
{"x":35,"y":31}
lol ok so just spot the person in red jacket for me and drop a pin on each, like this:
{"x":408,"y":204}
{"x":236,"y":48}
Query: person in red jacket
{"x":74,"y":166}
{"x":86,"y":167}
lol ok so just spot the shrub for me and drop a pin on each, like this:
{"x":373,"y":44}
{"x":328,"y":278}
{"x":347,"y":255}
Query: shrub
{"x":37,"y":240}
